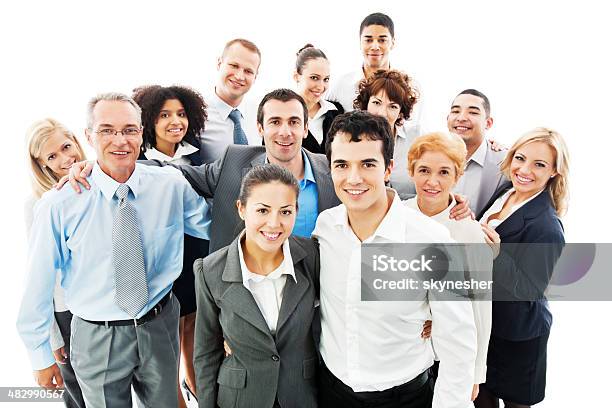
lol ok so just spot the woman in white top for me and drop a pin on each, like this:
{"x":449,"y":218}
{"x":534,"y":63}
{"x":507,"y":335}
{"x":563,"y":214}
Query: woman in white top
{"x":435,"y":163}
{"x":311,"y":77}
{"x":172,"y":119}
{"x":52,"y":149}
{"x":258,"y":294}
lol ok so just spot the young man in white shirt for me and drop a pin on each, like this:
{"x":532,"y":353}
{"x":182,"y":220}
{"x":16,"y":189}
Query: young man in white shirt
{"x":237,"y":66}
{"x":373,"y":353}
{"x":377,"y":39}
{"x":470,"y":118}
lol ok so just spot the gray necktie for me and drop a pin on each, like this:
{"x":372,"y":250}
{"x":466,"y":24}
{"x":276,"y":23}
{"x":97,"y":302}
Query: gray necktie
{"x":239,"y":136}
{"x":131,"y":292}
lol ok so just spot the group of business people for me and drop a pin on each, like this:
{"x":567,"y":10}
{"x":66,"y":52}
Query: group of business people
{"x":120,"y":252}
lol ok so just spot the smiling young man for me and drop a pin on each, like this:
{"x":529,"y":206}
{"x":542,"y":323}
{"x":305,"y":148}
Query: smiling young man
{"x":119,"y":247}
{"x":373,"y":353}
{"x":377,"y":39}
{"x":230,"y":118}
{"x":470,"y":118}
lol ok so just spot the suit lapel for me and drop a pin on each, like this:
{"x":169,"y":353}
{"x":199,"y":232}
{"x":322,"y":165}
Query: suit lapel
{"x":294,"y":291}
{"x":488,"y":182}
{"x":236,"y":295}
{"x":325,"y":186}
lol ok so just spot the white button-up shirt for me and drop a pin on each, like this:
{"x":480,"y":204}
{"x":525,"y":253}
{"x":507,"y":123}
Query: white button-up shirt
{"x":498,"y":205}
{"x":180,"y":156}
{"x":315,"y":125}
{"x":219,"y":128}
{"x":374,"y":346}
{"x":268,"y":290}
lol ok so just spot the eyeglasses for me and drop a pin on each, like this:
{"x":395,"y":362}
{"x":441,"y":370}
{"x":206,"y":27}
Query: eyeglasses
{"x":127,"y":132}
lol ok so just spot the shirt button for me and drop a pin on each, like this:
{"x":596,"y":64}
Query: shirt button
{"x":275,"y":357}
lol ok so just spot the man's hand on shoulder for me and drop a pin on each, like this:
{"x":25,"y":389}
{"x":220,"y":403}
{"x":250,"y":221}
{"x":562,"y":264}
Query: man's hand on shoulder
{"x":78,"y":174}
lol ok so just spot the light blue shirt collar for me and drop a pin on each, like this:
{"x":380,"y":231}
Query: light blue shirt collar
{"x":109,"y":186}
{"x":308,"y":174}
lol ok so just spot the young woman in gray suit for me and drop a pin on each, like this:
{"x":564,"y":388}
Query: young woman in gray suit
{"x":258,"y":295}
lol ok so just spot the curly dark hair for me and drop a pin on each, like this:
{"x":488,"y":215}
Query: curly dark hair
{"x":398,"y":87}
{"x":151,"y":99}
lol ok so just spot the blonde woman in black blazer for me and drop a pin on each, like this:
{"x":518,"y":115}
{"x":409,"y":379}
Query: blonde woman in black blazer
{"x":258,"y":294}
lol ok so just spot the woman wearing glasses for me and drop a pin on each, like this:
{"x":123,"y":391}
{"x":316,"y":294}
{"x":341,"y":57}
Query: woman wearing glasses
{"x":172,"y":119}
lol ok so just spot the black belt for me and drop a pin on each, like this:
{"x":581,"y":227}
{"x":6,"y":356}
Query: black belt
{"x":411,"y":386}
{"x":150,"y":315}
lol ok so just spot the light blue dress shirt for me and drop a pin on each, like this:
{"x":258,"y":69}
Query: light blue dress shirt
{"x":308,"y":202}
{"x":73,"y":233}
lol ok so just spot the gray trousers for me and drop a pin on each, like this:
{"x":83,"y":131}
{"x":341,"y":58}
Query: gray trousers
{"x":108,"y":361}
{"x":72,"y":394}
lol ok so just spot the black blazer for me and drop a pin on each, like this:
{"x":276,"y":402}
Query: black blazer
{"x":310,"y":143}
{"x":522,"y":272}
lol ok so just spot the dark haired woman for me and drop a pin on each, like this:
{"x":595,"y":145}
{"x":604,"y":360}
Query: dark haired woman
{"x":258,"y":295}
{"x":172,"y":118}
{"x":391,"y":94}
{"x":312,"y":81}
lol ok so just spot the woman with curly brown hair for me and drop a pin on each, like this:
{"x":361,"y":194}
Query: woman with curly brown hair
{"x":172,"y":118}
{"x":392,"y":95}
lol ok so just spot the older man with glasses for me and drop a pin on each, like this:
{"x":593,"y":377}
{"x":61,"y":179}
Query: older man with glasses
{"x":119,"y":247}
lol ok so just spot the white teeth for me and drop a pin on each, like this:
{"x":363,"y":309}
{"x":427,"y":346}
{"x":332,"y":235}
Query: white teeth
{"x":461,"y":128}
{"x":271,"y":236}
{"x":175,"y":130}
{"x":355,"y":192}
{"x":432,"y":191}
{"x":523,"y":179}
{"x":120,"y":153}
{"x":284,"y":144}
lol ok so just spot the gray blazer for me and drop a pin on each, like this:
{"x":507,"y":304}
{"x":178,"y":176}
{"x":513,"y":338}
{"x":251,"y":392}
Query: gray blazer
{"x":262,"y":367}
{"x":221,"y":181}
{"x":491,"y":178}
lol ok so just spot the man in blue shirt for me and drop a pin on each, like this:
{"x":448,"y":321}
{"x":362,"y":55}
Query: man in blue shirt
{"x":119,"y":247}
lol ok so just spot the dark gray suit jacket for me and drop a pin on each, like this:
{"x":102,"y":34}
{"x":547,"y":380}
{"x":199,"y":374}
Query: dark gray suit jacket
{"x":221,"y":181}
{"x":262,"y":367}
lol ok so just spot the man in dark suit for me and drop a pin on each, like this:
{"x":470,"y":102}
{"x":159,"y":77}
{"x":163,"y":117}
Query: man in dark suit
{"x":282,"y":121}
{"x":470,"y":118}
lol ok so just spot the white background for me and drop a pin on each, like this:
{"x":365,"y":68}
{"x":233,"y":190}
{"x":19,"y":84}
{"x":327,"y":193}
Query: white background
{"x":540,"y":62}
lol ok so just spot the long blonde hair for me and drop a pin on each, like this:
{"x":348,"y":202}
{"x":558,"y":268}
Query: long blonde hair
{"x":558,"y":186}
{"x":43,"y":178}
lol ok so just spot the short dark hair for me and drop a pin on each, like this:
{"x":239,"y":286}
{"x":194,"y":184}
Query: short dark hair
{"x":305,"y":54}
{"x":264,"y":174}
{"x":283,"y":95}
{"x":151,"y":99}
{"x":360,"y":124}
{"x":485,"y":101}
{"x":378,"y":19}
{"x":395,"y":84}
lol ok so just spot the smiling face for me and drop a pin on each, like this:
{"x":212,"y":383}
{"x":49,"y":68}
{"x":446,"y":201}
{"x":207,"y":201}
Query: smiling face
{"x":269,"y":215}
{"x":359,"y":173}
{"x":468,"y":119}
{"x":434,"y":177}
{"x":376,"y":44}
{"x":58,"y":153}
{"x":171,"y":124}
{"x":381,"y":105}
{"x":283,"y":130}
{"x":313,"y":82}
{"x":532,"y":166}
{"x":116,"y":153}
{"x":237,"y":71}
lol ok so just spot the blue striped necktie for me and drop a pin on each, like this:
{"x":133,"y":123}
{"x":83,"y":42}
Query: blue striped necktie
{"x":239,"y":136}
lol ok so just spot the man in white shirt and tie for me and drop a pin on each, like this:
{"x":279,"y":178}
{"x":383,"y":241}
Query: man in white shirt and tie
{"x":373,"y":353}
{"x":231,"y":119}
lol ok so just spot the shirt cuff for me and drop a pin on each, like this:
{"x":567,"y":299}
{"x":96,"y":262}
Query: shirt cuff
{"x":41,"y":357}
